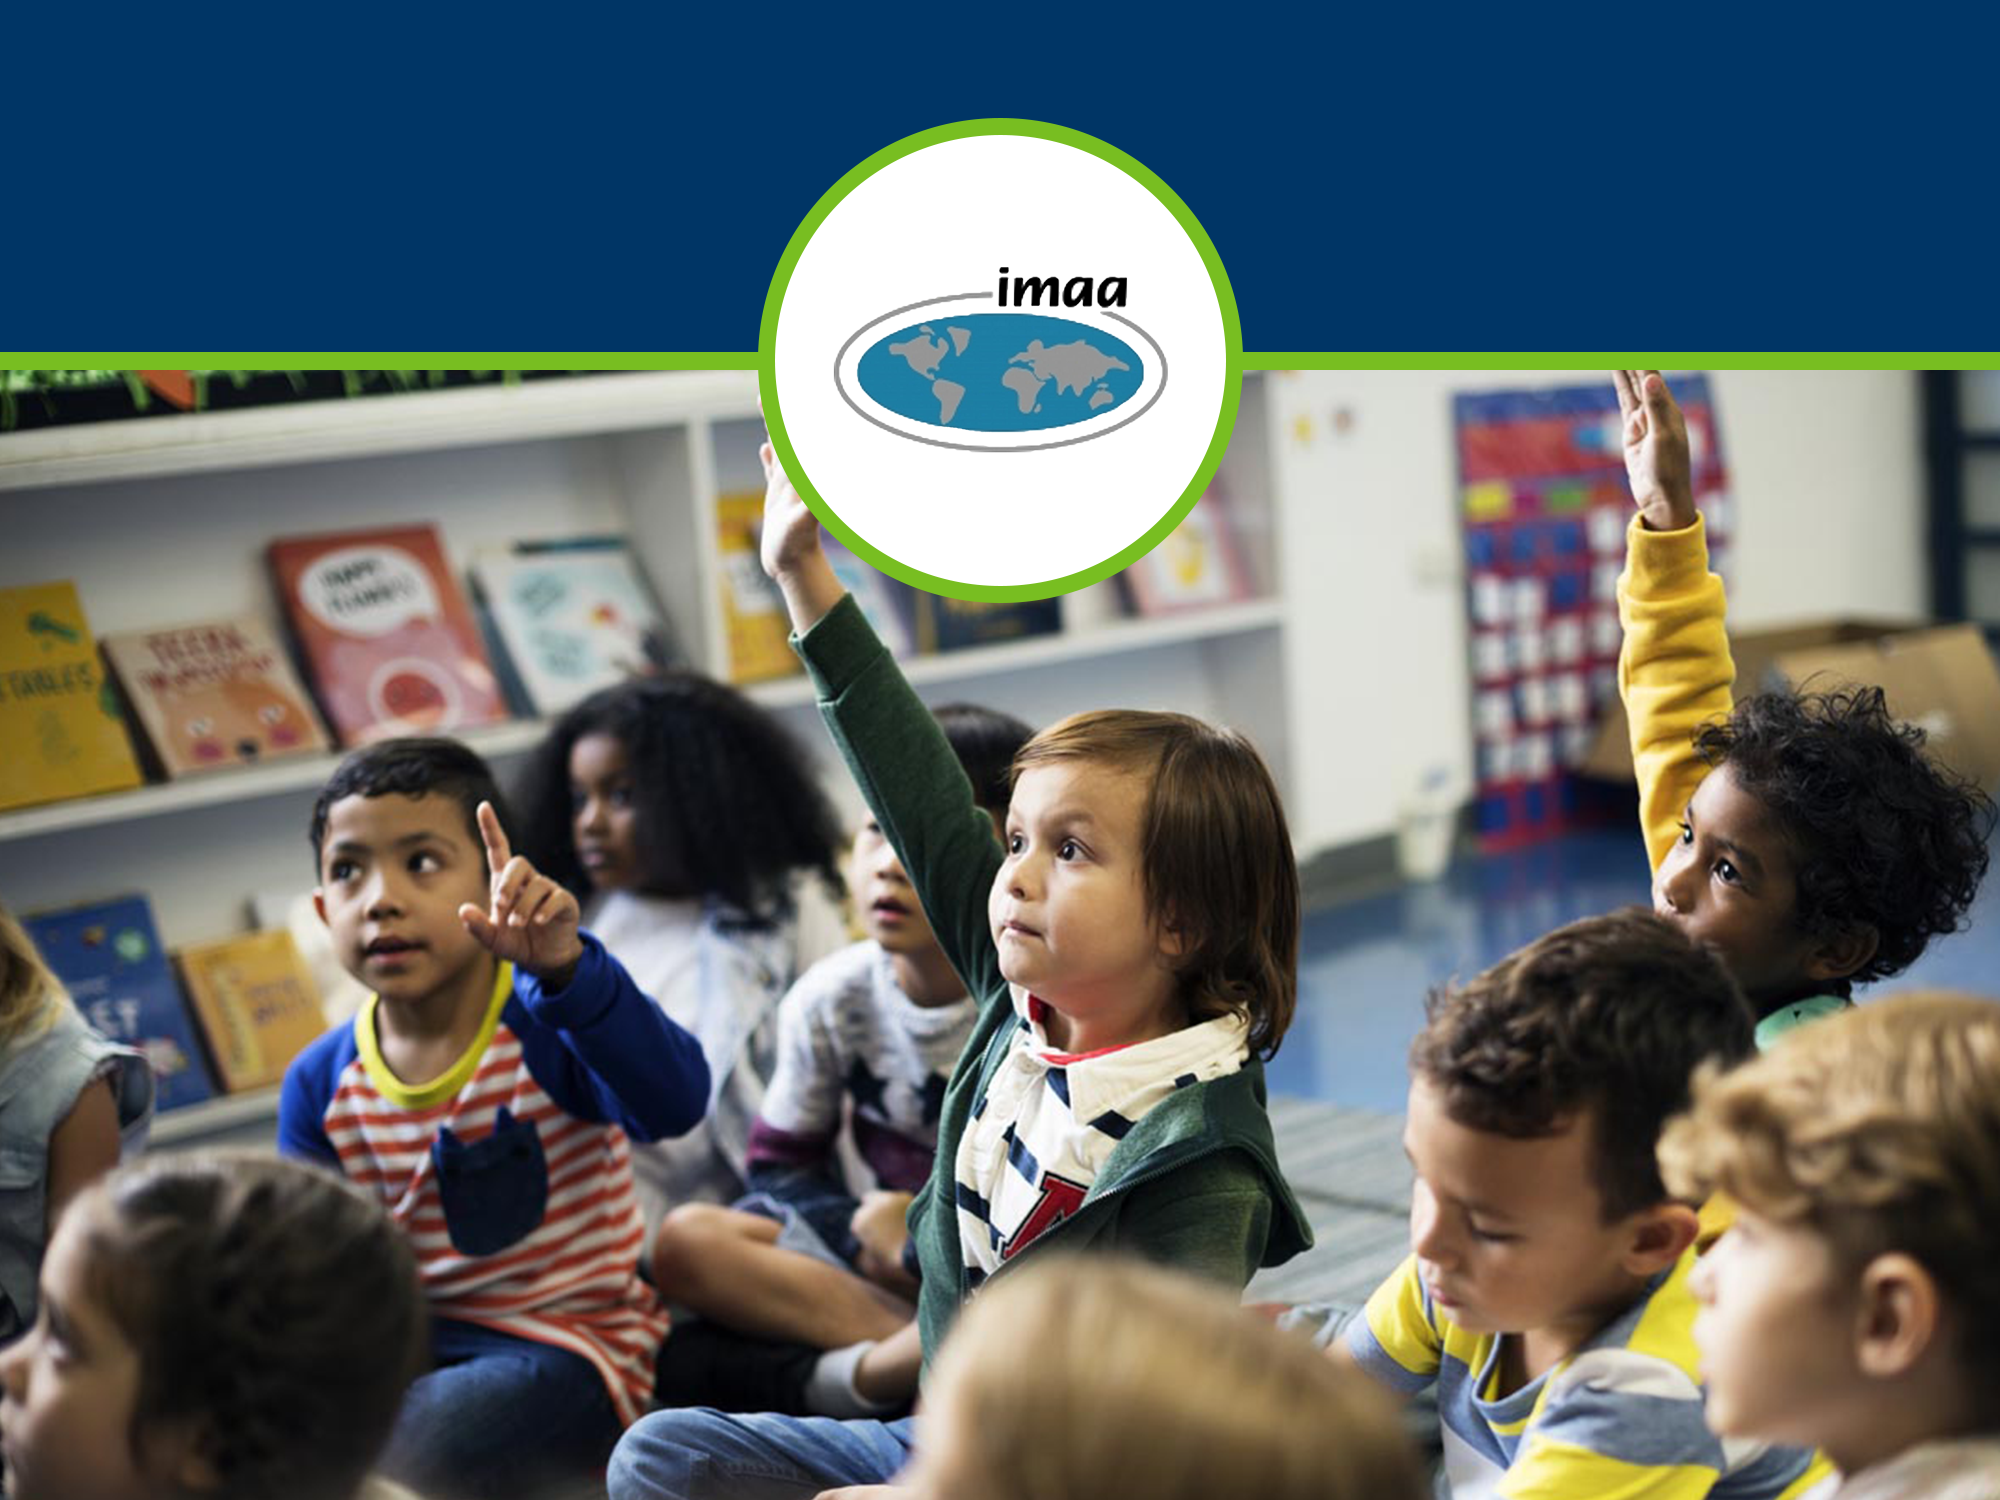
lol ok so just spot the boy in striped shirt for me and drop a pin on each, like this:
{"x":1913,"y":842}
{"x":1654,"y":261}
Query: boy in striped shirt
{"x":488,"y":1090}
{"x":1546,"y":1298}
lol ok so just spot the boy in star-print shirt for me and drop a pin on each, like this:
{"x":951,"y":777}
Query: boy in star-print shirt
{"x":867,"y":1039}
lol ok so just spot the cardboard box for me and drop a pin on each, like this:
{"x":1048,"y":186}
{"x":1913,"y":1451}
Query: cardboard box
{"x":1940,"y":678}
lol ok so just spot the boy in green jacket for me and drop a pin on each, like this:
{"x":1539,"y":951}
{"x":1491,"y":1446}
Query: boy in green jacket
{"x":1134,"y":948}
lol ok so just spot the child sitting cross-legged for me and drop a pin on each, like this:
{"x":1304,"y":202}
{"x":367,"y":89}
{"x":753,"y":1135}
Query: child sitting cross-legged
{"x":1855,"y":1302}
{"x":1134,"y":952}
{"x":867,"y":1038}
{"x":1806,"y":837}
{"x":1547,"y":1298}
{"x":487,"y":1092}
{"x":226,"y":1327}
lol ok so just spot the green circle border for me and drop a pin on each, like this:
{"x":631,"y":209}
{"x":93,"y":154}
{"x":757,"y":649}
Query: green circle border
{"x":1232,"y":339}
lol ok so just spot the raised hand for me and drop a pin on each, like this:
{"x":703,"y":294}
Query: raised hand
{"x":1657,"y":462}
{"x":531,"y":921}
{"x":790,"y":548}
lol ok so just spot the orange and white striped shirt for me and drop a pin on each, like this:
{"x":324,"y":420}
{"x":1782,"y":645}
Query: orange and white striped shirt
{"x":512,"y":1171}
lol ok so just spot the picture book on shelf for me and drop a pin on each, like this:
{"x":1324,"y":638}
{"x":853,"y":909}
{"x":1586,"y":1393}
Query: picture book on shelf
{"x":256,"y":1005}
{"x":108,"y":956}
{"x":884,"y":600}
{"x":1198,"y":565}
{"x":568,"y":617}
{"x":212,"y":695}
{"x":753,"y":612}
{"x":59,"y":716}
{"x":952,"y":624}
{"x":386,"y":634}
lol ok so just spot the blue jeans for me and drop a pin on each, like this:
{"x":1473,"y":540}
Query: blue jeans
{"x":700,"y":1454}
{"x":499,"y":1416}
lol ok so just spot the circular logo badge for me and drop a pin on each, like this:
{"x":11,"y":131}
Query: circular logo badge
{"x":1000,"y":359}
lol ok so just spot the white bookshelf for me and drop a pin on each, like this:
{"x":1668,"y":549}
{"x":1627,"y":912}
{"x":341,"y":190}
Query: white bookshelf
{"x":500,"y":742}
{"x":165,"y":520}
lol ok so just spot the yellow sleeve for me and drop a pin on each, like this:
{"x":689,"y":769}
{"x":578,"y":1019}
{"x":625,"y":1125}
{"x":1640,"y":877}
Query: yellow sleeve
{"x":1674,"y":671}
{"x":1557,"y":1471}
{"x":1394,"y":1339}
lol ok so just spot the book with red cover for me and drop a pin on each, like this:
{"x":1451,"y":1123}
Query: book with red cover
{"x":385,"y":633}
{"x":213,"y":695}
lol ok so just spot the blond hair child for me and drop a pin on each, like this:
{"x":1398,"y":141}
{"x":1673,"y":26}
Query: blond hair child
{"x":1855,"y":1303}
{"x":234,"y":1327}
{"x":67,"y":1097}
{"x":1081,"y":1379}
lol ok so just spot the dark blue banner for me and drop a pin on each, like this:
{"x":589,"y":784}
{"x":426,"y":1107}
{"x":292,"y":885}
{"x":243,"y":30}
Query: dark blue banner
{"x":587,"y":177}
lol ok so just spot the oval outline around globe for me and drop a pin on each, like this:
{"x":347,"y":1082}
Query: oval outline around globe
{"x":846,"y":365}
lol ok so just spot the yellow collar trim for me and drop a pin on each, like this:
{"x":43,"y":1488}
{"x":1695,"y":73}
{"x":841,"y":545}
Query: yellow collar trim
{"x":452,"y":1079}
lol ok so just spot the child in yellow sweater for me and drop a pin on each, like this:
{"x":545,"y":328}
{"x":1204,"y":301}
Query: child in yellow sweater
{"x":1805,"y":837}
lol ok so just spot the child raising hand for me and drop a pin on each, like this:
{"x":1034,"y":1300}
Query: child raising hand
{"x":1805,"y":837}
{"x":1133,"y":951}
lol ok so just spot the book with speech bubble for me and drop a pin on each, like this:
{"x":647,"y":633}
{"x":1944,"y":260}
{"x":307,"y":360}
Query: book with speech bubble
{"x":385,"y":634}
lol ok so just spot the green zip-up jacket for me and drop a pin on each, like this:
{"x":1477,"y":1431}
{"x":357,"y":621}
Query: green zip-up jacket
{"x":1195,"y":1184}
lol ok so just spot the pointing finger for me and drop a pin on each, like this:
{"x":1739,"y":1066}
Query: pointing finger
{"x":498,"y":850}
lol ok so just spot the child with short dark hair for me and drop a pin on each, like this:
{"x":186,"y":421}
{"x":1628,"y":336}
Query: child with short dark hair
{"x":1547,"y":1297}
{"x":485,"y":1092}
{"x":1134,"y":951}
{"x":692,"y":826}
{"x":1807,"y":838}
{"x":228,"y":1326}
{"x":814,"y":1259}
{"x":1855,"y":1302}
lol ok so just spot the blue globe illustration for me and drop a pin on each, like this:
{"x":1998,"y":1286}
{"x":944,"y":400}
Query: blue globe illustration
{"x":1000,"y":372}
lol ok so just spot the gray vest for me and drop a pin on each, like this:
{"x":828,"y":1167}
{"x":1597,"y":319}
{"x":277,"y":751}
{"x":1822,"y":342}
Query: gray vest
{"x":40,"y":1082}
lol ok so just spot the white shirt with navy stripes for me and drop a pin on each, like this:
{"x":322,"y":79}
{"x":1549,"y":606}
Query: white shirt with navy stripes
{"x":1048,"y":1121}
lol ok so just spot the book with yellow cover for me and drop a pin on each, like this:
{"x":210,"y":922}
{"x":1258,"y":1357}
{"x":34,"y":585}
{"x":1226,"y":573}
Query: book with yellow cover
{"x":59,"y":717}
{"x":753,"y":612}
{"x":256,"y":1004}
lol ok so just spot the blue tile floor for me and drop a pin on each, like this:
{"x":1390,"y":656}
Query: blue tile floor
{"x":1365,"y":965}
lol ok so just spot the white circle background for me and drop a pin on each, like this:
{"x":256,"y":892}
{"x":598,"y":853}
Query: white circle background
{"x":941,"y":222}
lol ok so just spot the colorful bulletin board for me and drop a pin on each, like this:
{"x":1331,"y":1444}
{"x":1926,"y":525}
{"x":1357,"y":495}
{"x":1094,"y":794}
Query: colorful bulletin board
{"x":1545,"y":505}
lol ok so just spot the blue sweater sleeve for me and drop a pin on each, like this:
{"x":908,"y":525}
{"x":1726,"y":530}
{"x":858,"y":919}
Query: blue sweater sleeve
{"x":606,"y":1052}
{"x":307,"y":1090}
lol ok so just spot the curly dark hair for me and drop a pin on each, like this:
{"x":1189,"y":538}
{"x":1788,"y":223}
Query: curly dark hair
{"x":1611,"y":1014}
{"x":1880,"y":834}
{"x":412,"y":767}
{"x":727,"y":799}
{"x":274,"y":1307}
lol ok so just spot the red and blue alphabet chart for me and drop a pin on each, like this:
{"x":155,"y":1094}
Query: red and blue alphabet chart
{"x":1545,"y":503}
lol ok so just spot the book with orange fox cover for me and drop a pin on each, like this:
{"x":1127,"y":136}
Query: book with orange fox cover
{"x":212,"y":695}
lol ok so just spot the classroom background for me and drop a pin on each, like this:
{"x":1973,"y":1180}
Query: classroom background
{"x":1399,"y":585}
